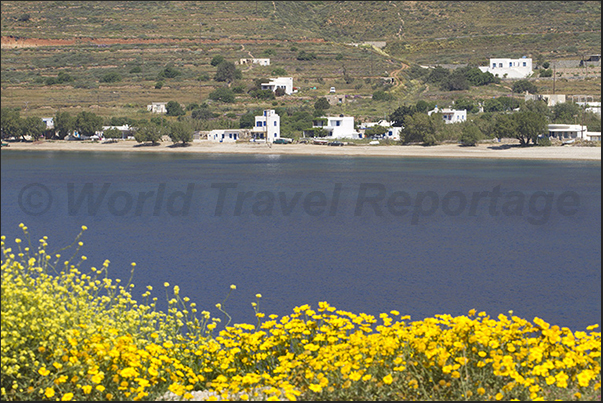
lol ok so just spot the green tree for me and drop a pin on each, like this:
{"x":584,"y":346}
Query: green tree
{"x":279,"y":71}
{"x":223,"y":94}
{"x":112,"y":133}
{"x":64,"y":124}
{"x":174,"y":109}
{"x":493,"y":105}
{"x":217,"y":60}
{"x":422,"y":128}
{"x":227,"y":71}
{"x":521,"y":86}
{"x":456,"y":81}
{"x":470,"y":135}
{"x":529,"y":125}
{"x":88,"y":123}
{"x":505,"y":126}
{"x":322,"y":104}
{"x":158,"y":85}
{"x":181,"y":132}
{"x":397,"y":117}
{"x":566,"y":112}
{"x":112,"y":77}
{"x":247,"y":120}
{"x":149,"y":132}
{"x":64,"y":77}
{"x":11,"y":123}
{"x":202,"y":113}
{"x":33,"y":127}
{"x":168,"y":72}
{"x":262,"y":94}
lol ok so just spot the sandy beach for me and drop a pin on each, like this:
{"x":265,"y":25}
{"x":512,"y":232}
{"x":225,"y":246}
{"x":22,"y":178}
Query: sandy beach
{"x":484,"y":150}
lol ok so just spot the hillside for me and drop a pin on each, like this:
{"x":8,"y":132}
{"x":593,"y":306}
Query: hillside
{"x":88,"y":39}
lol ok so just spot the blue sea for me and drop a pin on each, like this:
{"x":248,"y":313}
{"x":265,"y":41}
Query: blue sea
{"x":423,"y":236}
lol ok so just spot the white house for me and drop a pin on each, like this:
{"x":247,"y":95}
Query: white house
{"x":49,"y":123}
{"x":261,"y":62}
{"x":567,"y":132}
{"x":550,"y":99}
{"x":225,"y":135}
{"x":594,"y":107}
{"x":157,"y":107}
{"x":393,"y":133}
{"x":338,"y":127}
{"x":451,"y":115}
{"x":285,"y":83}
{"x":125,"y":131}
{"x":267,"y":126}
{"x":513,"y":68}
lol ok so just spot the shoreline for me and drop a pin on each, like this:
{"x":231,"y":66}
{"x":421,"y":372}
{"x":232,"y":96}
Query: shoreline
{"x":483,"y":150}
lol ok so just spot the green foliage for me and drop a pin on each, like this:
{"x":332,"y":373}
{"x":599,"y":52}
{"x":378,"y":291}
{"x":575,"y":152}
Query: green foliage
{"x":306,"y":56}
{"x":217,"y":60}
{"x":521,"y":86}
{"x":566,"y":112}
{"x":181,"y":132}
{"x":322,"y":104}
{"x":546,"y":73}
{"x":158,"y":85}
{"x":204,"y":77}
{"x":64,"y":124}
{"x":339,"y":56}
{"x":279,"y":71}
{"x":262,"y":94}
{"x":544,"y":141}
{"x":381,"y":95}
{"x":149,"y":132}
{"x":421,"y":128}
{"x":11,"y":123}
{"x":112,"y":133}
{"x":227,"y":71}
{"x":174,"y":108}
{"x":112,"y":77}
{"x":33,"y":127}
{"x":88,"y":123}
{"x":135,"y":70}
{"x":168,"y":72}
{"x":202,"y":113}
{"x":247,"y":120}
{"x":467,"y":104}
{"x":397,"y":117}
{"x":376,"y":131}
{"x":530,"y":124}
{"x":470,"y":135}
{"x":222,"y":94}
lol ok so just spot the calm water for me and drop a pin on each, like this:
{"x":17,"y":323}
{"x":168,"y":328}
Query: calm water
{"x":365,"y":234}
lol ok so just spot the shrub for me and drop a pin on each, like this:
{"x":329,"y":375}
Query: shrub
{"x":112,"y":77}
{"x":158,"y":85}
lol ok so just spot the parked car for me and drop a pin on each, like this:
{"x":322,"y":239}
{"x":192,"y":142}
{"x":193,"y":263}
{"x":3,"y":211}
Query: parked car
{"x":335,"y":143}
{"x":332,"y":89}
{"x":282,"y":141}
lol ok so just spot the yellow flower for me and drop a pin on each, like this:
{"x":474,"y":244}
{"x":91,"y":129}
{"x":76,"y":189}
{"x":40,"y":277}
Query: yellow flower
{"x":481,"y":391}
{"x":315,"y":388}
{"x":499,"y":396}
{"x":67,"y":397}
{"x":43,"y":371}
{"x":87,"y":389}
{"x":49,"y":392}
{"x":388,"y":379}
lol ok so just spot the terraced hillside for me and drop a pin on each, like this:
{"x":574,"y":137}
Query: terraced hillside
{"x":138,"y":39}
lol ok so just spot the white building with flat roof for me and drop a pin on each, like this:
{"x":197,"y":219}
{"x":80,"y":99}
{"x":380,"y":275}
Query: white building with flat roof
{"x":261,"y":62}
{"x":509,"y":68}
{"x":267,"y":126}
{"x":337,"y":127}
{"x":451,"y":115}
{"x":285,"y":83}
{"x":157,"y":107}
{"x":225,"y":135}
{"x":565,"y":132}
